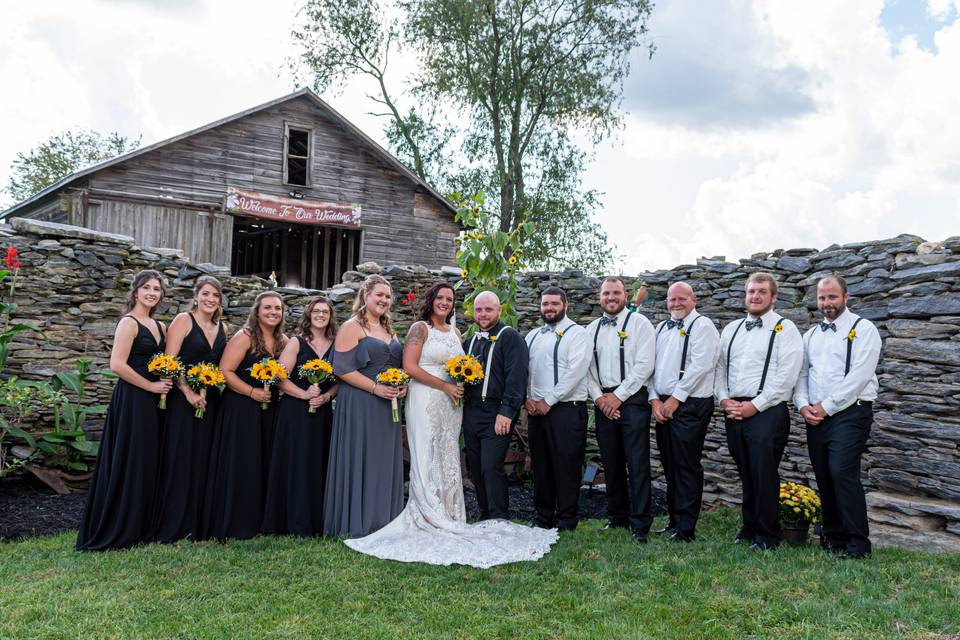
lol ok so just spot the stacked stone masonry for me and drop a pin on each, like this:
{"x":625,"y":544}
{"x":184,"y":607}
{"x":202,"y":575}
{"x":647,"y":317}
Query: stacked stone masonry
{"x":74,"y":281}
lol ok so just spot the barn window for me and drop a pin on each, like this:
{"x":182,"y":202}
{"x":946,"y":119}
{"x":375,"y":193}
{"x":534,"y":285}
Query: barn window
{"x":297,"y":154}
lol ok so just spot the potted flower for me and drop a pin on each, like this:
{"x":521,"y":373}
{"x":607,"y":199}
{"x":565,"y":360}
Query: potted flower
{"x":799,"y":507}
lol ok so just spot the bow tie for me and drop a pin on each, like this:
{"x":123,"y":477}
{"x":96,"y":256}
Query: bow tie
{"x":483,"y":335}
{"x":545,"y":329}
{"x":605,"y":320}
{"x":828,"y":325}
{"x":671,"y":323}
{"x":754,"y":323}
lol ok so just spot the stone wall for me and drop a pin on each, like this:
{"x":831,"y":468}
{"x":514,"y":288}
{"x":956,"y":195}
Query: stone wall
{"x":74,"y":281}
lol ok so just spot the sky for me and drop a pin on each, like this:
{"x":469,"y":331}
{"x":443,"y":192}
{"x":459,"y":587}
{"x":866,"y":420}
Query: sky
{"x":756,"y":125}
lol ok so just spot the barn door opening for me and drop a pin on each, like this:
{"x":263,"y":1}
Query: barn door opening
{"x":308,"y":256}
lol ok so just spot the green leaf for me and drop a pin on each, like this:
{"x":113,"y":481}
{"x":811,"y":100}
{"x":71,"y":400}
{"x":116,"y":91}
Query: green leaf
{"x":69,"y":380}
{"x":17,"y":432}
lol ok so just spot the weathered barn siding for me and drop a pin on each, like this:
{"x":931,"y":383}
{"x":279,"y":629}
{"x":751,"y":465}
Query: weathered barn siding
{"x":401,"y":223}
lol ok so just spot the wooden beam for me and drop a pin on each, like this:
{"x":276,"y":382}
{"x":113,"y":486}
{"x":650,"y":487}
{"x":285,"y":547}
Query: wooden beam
{"x":326,"y":259}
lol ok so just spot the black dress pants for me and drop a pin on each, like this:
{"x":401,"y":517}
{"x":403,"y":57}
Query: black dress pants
{"x":756,"y":445}
{"x":625,"y":452}
{"x":558,"y":442}
{"x":683,"y":437}
{"x":836,"y":446}
{"x":485,"y":452}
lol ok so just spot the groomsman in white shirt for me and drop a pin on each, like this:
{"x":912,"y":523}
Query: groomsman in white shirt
{"x":760,"y":359}
{"x":835,"y":394}
{"x":557,"y":409}
{"x":622,"y":346}
{"x":682,"y":400}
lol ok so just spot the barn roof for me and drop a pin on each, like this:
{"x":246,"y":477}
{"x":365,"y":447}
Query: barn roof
{"x":377,"y":150}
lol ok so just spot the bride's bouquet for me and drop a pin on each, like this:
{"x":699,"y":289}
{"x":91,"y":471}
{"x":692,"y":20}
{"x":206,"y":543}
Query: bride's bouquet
{"x":394,"y":377}
{"x":464,"y":370}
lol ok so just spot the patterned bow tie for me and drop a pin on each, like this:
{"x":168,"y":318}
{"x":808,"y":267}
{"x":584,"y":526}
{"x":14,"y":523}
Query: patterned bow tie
{"x":828,"y":325}
{"x":754,"y":323}
{"x":605,"y":320}
{"x":671,"y":323}
{"x":545,"y":329}
{"x":483,"y":335}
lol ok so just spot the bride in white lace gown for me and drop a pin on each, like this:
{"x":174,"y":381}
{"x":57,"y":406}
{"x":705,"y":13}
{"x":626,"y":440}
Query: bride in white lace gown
{"x":432,"y":527}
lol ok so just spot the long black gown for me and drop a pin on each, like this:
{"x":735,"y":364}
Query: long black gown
{"x":185,"y":445}
{"x":118,"y":510}
{"x":298,"y":467}
{"x":242,"y":441}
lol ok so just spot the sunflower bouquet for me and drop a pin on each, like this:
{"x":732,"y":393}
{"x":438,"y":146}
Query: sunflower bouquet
{"x":799,"y":505}
{"x":316,"y":371}
{"x":464,"y":370}
{"x":203,"y":376}
{"x":167,"y":366}
{"x":268,"y":372}
{"x":394,"y":377}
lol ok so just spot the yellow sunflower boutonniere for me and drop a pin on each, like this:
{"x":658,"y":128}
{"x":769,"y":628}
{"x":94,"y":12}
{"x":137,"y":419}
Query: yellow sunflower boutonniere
{"x":623,"y":336}
{"x":852,"y":335}
{"x":493,"y":338}
{"x":559,"y":334}
{"x":778,"y":328}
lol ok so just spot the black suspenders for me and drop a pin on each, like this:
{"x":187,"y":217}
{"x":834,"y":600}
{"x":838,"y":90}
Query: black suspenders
{"x":766,"y":361}
{"x":686,"y":345}
{"x":556,"y":351}
{"x":846,"y":367}
{"x":596,"y":358}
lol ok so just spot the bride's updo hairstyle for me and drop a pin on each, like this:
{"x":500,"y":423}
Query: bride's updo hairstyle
{"x":426,"y":307}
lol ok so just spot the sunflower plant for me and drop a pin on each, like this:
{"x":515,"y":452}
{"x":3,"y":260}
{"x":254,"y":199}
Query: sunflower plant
{"x":489,"y":258}
{"x":464,"y":370}
{"x":799,"y":505}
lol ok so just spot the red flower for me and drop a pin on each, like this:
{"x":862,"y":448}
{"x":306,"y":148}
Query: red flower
{"x":11,"y":258}
{"x":411,"y":297}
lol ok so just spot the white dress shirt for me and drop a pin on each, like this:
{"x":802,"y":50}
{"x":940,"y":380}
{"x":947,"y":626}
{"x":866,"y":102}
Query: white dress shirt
{"x":824,"y":357}
{"x":746,"y":361}
{"x":702,"y":353}
{"x":639,"y":354}
{"x":573,"y":355}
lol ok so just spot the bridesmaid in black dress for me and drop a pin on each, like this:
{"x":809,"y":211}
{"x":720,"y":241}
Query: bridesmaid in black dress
{"x":365,"y":477}
{"x":302,"y":444}
{"x":243,"y":431}
{"x":196,"y":336}
{"x":119,"y":502}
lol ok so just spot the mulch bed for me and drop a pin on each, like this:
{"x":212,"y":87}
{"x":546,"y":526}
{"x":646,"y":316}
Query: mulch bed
{"x":29,"y":509}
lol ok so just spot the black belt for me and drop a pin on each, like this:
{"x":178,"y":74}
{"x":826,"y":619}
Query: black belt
{"x":743,"y":399}
{"x":865,"y":403}
{"x":570,"y":403}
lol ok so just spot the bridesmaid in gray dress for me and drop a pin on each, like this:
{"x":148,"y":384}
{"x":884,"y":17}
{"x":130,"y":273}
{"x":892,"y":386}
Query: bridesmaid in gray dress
{"x":365,"y":473}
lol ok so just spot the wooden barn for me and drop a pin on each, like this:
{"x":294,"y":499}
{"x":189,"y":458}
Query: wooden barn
{"x":290,"y":186}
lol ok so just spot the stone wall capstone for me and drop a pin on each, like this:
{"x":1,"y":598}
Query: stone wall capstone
{"x":74,"y":281}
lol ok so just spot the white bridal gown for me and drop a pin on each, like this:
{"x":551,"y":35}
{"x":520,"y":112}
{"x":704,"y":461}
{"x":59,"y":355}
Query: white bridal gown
{"x":432,"y":527}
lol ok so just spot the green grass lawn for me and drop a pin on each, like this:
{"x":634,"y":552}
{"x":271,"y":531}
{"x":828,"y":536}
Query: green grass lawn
{"x":594,"y":584}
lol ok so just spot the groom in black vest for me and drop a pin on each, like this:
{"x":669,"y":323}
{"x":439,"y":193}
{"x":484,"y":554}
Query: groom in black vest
{"x":490,"y":408}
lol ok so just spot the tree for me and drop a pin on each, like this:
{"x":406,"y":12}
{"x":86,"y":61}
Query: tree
{"x":516,"y":78}
{"x":59,"y":156}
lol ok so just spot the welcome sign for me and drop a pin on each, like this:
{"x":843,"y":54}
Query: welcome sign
{"x":261,"y":205}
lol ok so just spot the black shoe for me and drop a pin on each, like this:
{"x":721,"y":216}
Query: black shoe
{"x":666,"y":531}
{"x":567,"y":527}
{"x":639,"y":537}
{"x":613,"y":525}
{"x":760,"y":546}
{"x":742,"y":539}
{"x":679,"y":536}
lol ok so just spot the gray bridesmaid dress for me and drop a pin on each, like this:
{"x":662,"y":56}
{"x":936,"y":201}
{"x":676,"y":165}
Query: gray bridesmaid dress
{"x":365,"y":472}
